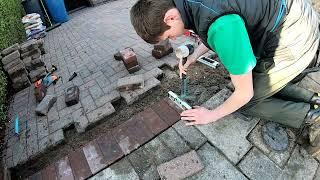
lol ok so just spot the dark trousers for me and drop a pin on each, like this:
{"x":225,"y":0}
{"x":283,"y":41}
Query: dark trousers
{"x":291,"y":48}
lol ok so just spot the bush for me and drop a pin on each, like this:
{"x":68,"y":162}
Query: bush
{"x":11,"y":31}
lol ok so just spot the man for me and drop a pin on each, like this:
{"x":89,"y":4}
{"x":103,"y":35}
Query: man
{"x":263,"y":44}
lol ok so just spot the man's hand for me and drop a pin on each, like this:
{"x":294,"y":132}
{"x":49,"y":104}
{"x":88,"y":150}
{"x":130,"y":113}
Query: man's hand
{"x":183,"y":68}
{"x":199,"y":115}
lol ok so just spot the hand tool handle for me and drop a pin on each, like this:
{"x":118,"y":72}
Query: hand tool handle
{"x":184,"y":60}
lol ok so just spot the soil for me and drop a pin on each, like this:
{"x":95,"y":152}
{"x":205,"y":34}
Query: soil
{"x":203,"y":81}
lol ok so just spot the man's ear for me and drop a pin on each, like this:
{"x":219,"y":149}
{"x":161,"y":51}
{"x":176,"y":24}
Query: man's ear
{"x":171,"y":16}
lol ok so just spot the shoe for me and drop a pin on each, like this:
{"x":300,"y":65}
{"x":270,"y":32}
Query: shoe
{"x":315,"y":100}
{"x":312,"y":128}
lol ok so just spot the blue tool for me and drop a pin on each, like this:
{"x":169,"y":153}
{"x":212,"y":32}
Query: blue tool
{"x":16,"y":125}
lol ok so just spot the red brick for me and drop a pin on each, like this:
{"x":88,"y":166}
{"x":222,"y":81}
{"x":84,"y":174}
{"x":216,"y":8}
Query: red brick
{"x":124,"y":137}
{"x":79,"y":165}
{"x":165,"y":112}
{"x":36,"y":176}
{"x":109,"y":148}
{"x":49,"y":172}
{"x":141,"y":132}
{"x":181,"y":167}
{"x":153,"y":121}
{"x":94,"y":157}
{"x":173,"y":105}
{"x":131,"y":134}
{"x":64,"y":171}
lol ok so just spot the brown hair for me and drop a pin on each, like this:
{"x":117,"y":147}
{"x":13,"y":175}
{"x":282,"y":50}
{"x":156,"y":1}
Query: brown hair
{"x":147,"y":18}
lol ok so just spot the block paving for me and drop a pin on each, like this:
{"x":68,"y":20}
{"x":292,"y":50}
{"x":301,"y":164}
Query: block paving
{"x":86,"y":48}
{"x":230,"y":148}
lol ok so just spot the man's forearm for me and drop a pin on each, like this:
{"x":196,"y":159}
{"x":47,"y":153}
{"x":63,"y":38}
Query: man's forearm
{"x":233,"y":103}
{"x":200,"y":50}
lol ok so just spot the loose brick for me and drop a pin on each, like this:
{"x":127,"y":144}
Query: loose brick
{"x":30,"y":53}
{"x":173,"y":141}
{"x":45,"y":105}
{"x":130,"y":83}
{"x":12,"y":64}
{"x":79,"y":165}
{"x":49,"y":172}
{"x":16,"y":70}
{"x":94,"y":157}
{"x":10,"y":49}
{"x":110,"y":148}
{"x":129,"y":60}
{"x":165,"y":112}
{"x":64,"y":170}
{"x":153,"y":121}
{"x":156,"y":72}
{"x":181,"y":167}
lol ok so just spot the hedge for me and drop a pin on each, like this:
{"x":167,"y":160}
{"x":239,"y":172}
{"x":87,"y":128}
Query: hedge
{"x":11,"y":31}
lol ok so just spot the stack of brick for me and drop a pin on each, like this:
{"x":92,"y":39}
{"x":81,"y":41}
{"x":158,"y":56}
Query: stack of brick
{"x":15,"y":68}
{"x":31,"y":52}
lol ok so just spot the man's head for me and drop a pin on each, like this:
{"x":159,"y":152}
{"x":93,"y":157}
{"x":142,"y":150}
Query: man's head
{"x":156,"y":20}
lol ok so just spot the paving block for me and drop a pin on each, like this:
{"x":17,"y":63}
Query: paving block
{"x":118,"y":171}
{"x":310,"y":83}
{"x":280,"y":158}
{"x":10,"y":49}
{"x":108,"y":97}
{"x":30,"y":45}
{"x":129,"y":60}
{"x":79,"y":165}
{"x":229,"y":133}
{"x":130,"y":83}
{"x":216,"y":166}
{"x":300,"y":166}
{"x":162,"y":49}
{"x":109,"y":148}
{"x":191,"y":135}
{"x":20,"y":83}
{"x":165,"y":112}
{"x":17,"y":70}
{"x":80,"y":120}
{"x":156,"y":72}
{"x":52,"y":140}
{"x":94,"y":157}
{"x":100,"y":113}
{"x":12,"y":64}
{"x":37,"y":62}
{"x":10,"y":57}
{"x":64,"y":170}
{"x":172,"y":140}
{"x":96,"y":92}
{"x":132,"y":96}
{"x":61,"y":123}
{"x":30,"y":53}
{"x":131,"y":134}
{"x":44,"y":106}
{"x":181,"y":167}
{"x":153,"y":121}
{"x":88,"y":104}
{"x":49,"y":173}
{"x":256,"y":165}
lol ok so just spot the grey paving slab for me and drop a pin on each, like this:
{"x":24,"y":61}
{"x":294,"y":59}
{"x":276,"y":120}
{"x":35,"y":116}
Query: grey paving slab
{"x":192,"y":136}
{"x":300,"y":166}
{"x":256,"y":165}
{"x":216,"y":166}
{"x":173,"y":140}
{"x":118,"y":171}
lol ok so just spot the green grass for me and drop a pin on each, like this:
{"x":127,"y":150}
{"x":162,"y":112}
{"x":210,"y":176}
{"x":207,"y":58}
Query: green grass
{"x":11,"y":31}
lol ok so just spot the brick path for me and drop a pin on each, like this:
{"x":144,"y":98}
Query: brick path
{"x":85,"y":45}
{"x":139,"y":149}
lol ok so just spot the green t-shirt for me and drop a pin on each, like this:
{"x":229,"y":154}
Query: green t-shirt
{"x":228,"y":37}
